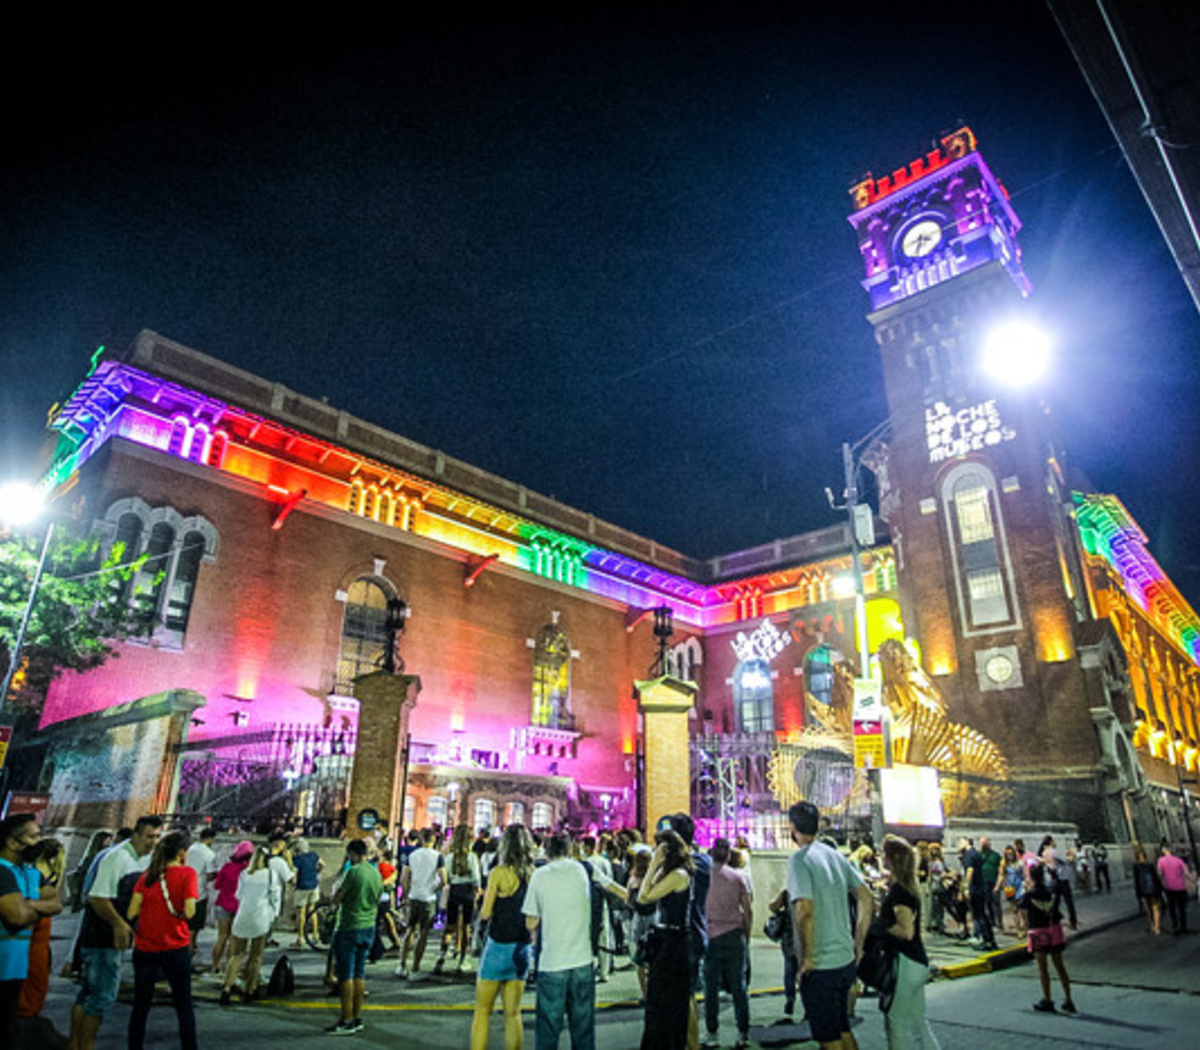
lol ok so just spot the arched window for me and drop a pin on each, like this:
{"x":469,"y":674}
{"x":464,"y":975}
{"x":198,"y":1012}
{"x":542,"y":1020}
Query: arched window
{"x":514,"y":813}
{"x":977,"y":541}
{"x":364,"y":633}
{"x":552,"y":679}
{"x":437,"y":811}
{"x":148,"y":581}
{"x":182,"y":588}
{"x":129,"y":536}
{"x":173,"y":547}
{"x":753,"y":696}
{"x":543,"y":816}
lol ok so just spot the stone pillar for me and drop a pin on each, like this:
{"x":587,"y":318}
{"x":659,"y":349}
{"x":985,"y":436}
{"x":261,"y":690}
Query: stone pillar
{"x":376,"y":780}
{"x":667,"y":777}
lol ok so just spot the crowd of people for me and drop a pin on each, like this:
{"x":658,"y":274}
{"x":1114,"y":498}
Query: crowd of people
{"x":551,"y":912}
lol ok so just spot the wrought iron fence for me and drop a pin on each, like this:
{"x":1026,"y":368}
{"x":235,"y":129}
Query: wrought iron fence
{"x":281,"y":772}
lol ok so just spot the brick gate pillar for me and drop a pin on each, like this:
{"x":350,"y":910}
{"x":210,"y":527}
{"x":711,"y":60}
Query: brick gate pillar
{"x":667,"y":777}
{"x":377,"y":777}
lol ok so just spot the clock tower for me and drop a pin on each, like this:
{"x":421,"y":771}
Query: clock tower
{"x":969,"y":484}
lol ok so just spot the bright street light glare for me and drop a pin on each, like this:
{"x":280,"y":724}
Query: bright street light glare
{"x":20,"y":503}
{"x":1017,"y":353}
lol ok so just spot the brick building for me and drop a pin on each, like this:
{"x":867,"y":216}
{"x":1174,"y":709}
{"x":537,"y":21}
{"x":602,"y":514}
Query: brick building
{"x":279,"y":532}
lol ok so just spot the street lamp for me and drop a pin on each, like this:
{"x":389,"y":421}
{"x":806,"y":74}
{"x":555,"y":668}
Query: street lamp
{"x":1017,"y":353}
{"x":19,"y":505}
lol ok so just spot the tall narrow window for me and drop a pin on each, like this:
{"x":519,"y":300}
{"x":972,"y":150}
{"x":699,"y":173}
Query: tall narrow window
{"x":753,"y":696}
{"x":485,"y":813}
{"x":129,"y":536}
{"x":149,"y":580}
{"x":182,"y":587}
{"x":973,"y":519}
{"x":818,"y":676}
{"x":543,"y":816}
{"x":552,"y":679}
{"x":364,"y":633}
{"x":437,"y":810}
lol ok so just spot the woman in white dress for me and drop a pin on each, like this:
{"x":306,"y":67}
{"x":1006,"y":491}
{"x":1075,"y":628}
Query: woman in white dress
{"x":258,"y":905}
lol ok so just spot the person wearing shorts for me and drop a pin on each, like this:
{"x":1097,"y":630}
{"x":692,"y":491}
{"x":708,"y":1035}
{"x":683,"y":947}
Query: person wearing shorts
{"x":106,"y":934}
{"x":820,"y":884}
{"x":1046,"y":938}
{"x":422,"y":882}
{"x":308,"y":866}
{"x":358,"y":904}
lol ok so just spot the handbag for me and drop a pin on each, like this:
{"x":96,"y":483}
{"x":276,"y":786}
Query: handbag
{"x":879,"y":962}
{"x":776,"y":926}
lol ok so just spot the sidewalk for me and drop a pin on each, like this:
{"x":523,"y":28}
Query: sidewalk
{"x":950,"y":958}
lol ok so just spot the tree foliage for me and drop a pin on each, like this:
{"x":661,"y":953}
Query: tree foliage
{"x":81,"y":611}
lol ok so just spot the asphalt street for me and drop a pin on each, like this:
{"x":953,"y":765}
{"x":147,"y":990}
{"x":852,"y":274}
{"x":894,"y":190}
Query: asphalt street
{"x":1132,"y":989}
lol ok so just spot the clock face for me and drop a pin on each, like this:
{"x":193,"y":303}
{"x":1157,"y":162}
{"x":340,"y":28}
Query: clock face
{"x":921,"y":238}
{"x":999,"y":669}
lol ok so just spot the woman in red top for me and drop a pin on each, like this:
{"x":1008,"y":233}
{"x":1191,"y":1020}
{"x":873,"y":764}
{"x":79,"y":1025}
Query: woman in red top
{"x":163,"y":901}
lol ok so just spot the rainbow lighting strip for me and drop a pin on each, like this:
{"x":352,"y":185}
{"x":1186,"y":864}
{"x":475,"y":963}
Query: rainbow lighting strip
{"x":118,"y":400}
{"x":1107,"y":530}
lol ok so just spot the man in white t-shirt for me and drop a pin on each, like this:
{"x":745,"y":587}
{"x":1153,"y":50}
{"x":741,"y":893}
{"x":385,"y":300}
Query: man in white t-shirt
{"x":202,"y":859}
{"x":422,"y":880}
{"x":106,"y":933}
{"x":558,"y":907}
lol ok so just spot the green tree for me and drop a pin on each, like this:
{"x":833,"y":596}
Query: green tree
{"x":81,"y":611}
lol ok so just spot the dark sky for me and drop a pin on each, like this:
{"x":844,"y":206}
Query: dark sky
{"x":602,"y":254}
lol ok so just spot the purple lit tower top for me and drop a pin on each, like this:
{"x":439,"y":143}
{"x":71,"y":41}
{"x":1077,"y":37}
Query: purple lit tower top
{"x":939,"y":217}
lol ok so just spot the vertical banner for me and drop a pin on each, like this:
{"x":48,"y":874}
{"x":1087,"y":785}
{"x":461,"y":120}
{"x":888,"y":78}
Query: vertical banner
{"x":871,"y":738}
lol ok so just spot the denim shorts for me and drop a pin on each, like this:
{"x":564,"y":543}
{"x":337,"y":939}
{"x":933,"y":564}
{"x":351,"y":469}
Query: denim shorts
{"x":350,"y":949}
{"x":504,"y":961}
{"x":101,"y":970}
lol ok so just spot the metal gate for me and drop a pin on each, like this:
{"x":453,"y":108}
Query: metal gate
{"x":260,"y":778}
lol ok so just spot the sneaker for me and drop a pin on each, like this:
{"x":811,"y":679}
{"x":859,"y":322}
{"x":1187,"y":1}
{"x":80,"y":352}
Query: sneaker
{"x":710,"y":1042}
{"x":226,"y":998}
{"x":356,"y":1024}
{"x":437,"y":966}
{"x":1068,"y":1007}
{"x":1044,"y":1006}
{"x":402,"y":971}
{"x":344,"y":1028}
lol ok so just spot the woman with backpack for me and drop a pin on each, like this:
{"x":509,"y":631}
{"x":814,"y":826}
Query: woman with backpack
{"x":163,"y":901}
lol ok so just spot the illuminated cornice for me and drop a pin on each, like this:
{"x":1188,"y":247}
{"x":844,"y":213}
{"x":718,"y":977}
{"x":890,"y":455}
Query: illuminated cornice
{"x":117,"y":400}
{"x":1107,"y":531}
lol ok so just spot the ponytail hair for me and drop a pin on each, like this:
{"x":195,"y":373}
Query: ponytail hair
{"x":169,"y":847}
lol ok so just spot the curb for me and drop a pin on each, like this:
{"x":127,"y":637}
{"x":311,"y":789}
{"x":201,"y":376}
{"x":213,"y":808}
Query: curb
{"x":1014,"y":955}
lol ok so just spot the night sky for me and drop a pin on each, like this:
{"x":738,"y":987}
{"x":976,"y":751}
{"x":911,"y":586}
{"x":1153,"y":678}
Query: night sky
{"x":601,"y":254}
